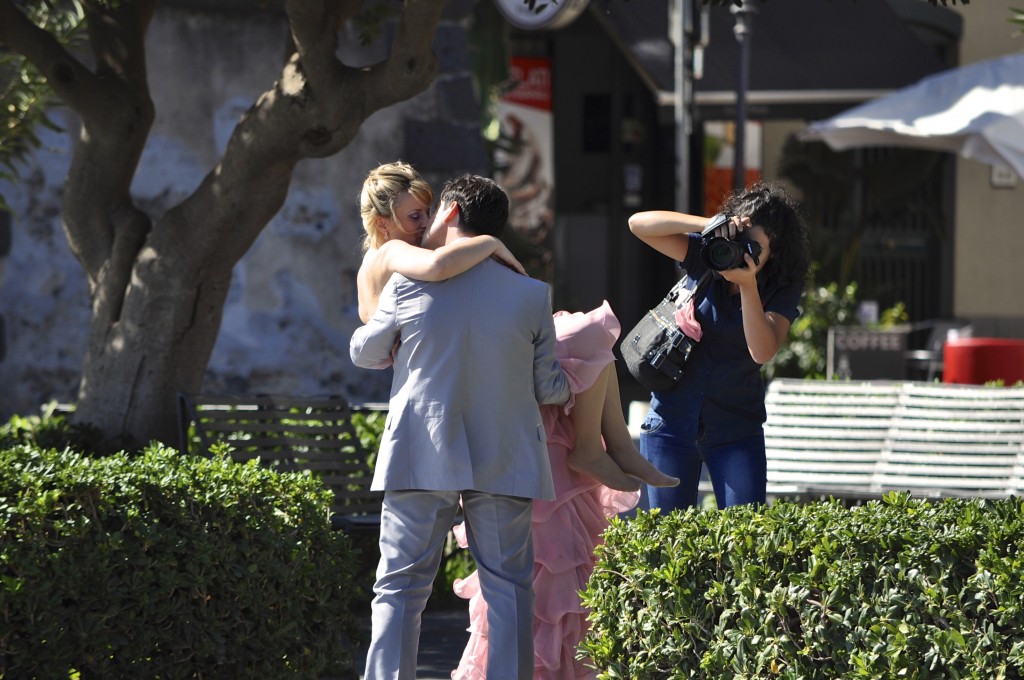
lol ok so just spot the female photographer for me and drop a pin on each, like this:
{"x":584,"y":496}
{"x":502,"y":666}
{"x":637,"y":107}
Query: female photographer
{"x":715,"y":414}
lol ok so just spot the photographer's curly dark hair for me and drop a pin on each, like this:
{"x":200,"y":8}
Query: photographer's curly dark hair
{"x":769,"y":206}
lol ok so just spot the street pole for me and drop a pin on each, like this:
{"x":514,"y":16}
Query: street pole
{"x":680,"y":22}
{"x":744,"y":14}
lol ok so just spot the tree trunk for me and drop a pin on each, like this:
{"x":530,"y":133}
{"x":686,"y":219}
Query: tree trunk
{"x":135,"y":367}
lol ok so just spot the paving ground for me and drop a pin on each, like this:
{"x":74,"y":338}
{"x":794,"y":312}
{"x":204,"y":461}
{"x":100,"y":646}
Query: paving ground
{"x":442,"y":639}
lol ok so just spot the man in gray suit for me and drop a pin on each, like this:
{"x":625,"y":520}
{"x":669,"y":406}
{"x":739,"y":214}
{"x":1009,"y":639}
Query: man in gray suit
{"x":475,"y":356}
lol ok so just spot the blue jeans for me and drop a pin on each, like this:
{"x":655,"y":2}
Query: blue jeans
{"x":738,"y":469}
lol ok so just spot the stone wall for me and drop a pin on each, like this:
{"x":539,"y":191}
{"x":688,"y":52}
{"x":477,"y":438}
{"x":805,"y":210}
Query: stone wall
{"x":292,"y":306}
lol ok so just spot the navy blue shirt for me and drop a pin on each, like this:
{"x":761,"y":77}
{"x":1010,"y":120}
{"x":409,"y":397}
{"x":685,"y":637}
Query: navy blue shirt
{"x":721,"y":394}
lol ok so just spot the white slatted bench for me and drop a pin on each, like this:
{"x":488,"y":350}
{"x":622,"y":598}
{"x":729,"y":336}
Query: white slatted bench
{"x":859,"y":440}
{"x":825,"y":437}
{"x":954,"y":440}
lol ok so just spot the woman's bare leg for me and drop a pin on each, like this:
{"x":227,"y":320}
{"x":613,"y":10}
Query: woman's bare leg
{"x":588,"y":455}
{"x":619,"y":441}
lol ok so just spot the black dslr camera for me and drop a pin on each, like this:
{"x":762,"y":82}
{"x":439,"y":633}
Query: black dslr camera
{"x":719,"y":253}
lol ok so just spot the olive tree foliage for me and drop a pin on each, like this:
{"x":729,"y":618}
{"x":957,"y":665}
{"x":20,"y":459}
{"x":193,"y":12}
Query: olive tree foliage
{"x":157,"y":286}
{"x":24,"y":97}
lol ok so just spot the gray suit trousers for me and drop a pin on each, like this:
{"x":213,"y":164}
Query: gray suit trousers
{"x":414,"y":525}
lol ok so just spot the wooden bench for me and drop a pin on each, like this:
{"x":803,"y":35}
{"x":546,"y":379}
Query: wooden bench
{"x":291,"y":434}
{"x":859,"y":440}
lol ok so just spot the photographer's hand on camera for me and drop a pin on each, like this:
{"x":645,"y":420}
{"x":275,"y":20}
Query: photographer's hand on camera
{"x":733,"y":228}
{"x":742,"y":277}
{"x":739,"y":276}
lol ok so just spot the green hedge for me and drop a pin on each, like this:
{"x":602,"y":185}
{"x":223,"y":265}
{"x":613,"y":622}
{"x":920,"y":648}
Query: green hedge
{"x":49,"y":430}
{"x":164,"y":566}
{"x":898,"y":588}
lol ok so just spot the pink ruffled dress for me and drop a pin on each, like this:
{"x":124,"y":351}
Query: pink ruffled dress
{"x":565,"y":530}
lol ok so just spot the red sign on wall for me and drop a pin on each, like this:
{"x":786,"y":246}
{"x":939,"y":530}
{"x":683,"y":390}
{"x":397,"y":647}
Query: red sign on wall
{"x":524,"y":161}
{"x":533,"y":76}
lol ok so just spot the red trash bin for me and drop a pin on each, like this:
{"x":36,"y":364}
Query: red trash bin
{"x":975,"y":361}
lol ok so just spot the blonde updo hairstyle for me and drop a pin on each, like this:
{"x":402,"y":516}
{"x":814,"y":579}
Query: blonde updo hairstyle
{"x":377,"y":197}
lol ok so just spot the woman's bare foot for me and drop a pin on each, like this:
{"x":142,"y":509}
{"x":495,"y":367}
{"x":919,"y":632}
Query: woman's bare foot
{"x":619,"y":442}
{"x":597,"y":464}
{"x":631,"y":462}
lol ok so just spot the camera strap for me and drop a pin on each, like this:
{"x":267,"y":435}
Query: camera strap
{"x":680,"y":294}
{"x":715,"y":222}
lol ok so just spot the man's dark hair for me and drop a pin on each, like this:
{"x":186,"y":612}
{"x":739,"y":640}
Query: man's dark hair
{"x":483,"y":205}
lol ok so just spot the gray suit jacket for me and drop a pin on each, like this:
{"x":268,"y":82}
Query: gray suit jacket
{"x":477,"y":356}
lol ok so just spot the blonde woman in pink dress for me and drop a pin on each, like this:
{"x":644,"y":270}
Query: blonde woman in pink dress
{"x":590,"y":443}
{"x":567,"y":529}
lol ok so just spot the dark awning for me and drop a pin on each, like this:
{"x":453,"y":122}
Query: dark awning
{"x":809,"y":58}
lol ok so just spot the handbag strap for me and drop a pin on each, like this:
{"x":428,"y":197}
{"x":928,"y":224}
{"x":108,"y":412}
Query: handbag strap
{"x":678,"y":290}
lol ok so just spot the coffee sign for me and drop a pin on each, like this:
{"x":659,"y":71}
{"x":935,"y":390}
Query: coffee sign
{"x":534,"y":15}
{"x":861,"y":353}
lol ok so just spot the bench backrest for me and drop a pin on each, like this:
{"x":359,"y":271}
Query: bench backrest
{"x":953,"y":440}
{"x":287,"y":434}
{"x":861,"y":439}
{"x":826,"y":435}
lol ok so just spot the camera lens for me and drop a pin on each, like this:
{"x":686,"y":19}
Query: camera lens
{"x":720,"y":254}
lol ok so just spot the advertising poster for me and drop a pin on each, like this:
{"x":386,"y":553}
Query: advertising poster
{"x":524,"y":163}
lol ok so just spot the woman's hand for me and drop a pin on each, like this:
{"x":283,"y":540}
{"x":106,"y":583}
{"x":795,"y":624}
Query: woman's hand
{"x":503,"y":255}
{"x":733,"y":228}
{"x":743,"y":277}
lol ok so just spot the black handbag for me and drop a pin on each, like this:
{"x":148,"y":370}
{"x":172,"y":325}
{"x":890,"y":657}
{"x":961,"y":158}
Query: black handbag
{"x":656,"y":350}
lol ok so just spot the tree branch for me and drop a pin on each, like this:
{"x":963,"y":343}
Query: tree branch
{"x":314,"y":110}
{"x":221,"y":219}
{"x":117,"y":114}
{"x":68,"y":77}
{"x":412,"y":65}
{"x":130,"y":228}
{"x":314,"y":29}
{"x":117,"y":37}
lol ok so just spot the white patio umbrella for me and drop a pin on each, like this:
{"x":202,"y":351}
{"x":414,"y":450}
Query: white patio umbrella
{"x":976,"y":111}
